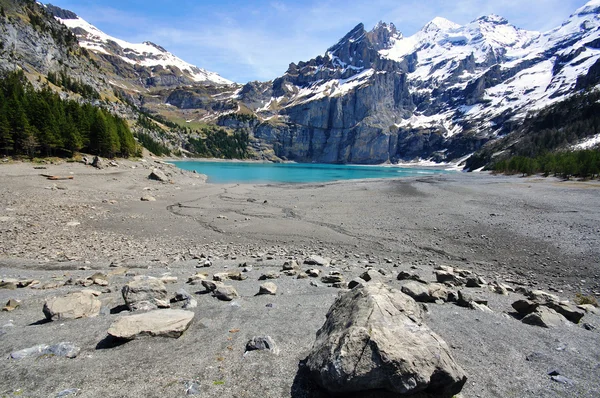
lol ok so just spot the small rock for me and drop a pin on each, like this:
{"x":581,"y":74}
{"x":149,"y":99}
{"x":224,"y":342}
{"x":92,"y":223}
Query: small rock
{"x":525,"y":307}
{"x":291,"y":266}
{"x":313,"y":273}
{"x":11,"y":305}
{"x":268,"y":288}
{"x":66,"y":393}
{"x":269,"y":275}
{"x":158,"y":175}
{"x":211,"y":286}
{"x":333,"y":278}
{"x":356,"y":282}
{"x":148,"y":198}
{"x":192,"y":387}
{"x":318,"y":260}
{"x":225,"y":293}
{"x":262,"y":343}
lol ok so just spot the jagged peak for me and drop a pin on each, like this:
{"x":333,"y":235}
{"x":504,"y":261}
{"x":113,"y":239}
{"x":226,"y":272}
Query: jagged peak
{"x":492,"y":19}
{"x":160,"y":48}
{"x":439,"y":24}
{"x":61,"y":13}
{"x":354,"y":35}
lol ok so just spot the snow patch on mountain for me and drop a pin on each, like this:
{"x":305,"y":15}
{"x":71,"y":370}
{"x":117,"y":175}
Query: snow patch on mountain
{"x":145,"y":54}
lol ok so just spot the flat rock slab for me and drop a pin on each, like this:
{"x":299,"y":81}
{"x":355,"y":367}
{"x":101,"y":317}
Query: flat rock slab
{"x":67,"y":350}
{"x":163,"y":323}
{"x":374,"y":340}
{"x":72,"y":306}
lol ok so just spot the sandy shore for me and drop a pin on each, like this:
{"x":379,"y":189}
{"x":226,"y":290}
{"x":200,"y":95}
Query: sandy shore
{"x":530,"y":232}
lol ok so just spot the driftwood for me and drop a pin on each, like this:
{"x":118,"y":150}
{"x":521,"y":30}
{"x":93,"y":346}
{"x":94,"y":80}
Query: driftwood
{"x":56,"y":178}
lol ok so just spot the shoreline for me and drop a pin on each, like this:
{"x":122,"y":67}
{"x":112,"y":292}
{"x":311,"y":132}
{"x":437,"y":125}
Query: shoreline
{"x":526,"y":233}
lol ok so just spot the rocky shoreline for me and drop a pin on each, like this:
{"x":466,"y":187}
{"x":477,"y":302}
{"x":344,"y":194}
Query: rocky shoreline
{"x":465,"y":247}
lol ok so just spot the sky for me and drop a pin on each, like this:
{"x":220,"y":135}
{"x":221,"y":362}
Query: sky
{"x":257,"y":40}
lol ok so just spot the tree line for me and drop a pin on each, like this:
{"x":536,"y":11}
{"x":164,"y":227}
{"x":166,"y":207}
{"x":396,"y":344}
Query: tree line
{"x":40,"y":123}
{"x":553,"y":129}
{"x":583,"y":164}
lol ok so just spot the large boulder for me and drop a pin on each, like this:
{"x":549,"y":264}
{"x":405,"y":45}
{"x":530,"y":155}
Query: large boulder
{"x":374,"y":339}
{"x":145,"y":294}
{"x":545,"y":317}
{"x":158,"y":175}
{"x":72,"y":306}
{"x":164,"y":323}
{"x":426,"y":293}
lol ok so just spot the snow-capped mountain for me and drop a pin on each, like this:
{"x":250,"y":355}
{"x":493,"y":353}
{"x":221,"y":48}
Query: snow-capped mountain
{"x":148,"y":55}
{"x":441,"y":93}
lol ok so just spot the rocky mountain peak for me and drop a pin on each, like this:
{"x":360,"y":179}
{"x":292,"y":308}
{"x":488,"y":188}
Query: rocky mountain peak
{"x":382,"y":35}
{"x":439,"y":24}
{"x":58,"y":12}
{"x":492,"y":19}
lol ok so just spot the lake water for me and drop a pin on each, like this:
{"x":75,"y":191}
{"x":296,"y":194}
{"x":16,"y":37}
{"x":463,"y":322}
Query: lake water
{"x":253,"y":172}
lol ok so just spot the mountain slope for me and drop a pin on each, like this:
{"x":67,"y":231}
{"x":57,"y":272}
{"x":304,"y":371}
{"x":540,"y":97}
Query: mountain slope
{"x":154,"y":64}
{"x":440,"y":94}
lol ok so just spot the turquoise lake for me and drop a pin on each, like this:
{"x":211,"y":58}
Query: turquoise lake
{"x":252,"y":172}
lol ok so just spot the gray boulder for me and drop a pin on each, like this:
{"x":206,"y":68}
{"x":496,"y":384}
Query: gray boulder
{"x":225,"y":293}
{"x":546,"y":318}
{"x":72,"y":306}
{"x":267,"y":288}
{"x":158,"y":175}
{"x":164,"y":323}
{"x":426,"y":293}
{"x":374,"y":339}
{"x":318,"y":260}
{"x":145,"y":294}
{"x":262,"y":343}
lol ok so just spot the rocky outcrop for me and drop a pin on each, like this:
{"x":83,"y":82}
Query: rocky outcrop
{"x":374,"y":340}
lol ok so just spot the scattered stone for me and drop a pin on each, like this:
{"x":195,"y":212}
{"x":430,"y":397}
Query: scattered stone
{"x":168,"y":279}
{"x":262,"y":343}
{"x":65,"y":349}
{"x":426,"y":293}
{"x":72,"y":306}
{"x":475,"y":281}
{"x":197,"y":279}
{"x":448,"y":278}
{"x":269,"y":275}
{"x":11,"y":305}
{"x":403,"y":276}
{"x":66,"y":393}
{"x":99,"y":279}
{"x":464,"y":299}
{"x":145,"y":294}
{"x":291,"y":266}
{"x":589,"y":308}
{"x":97,"y":162}
{"x":267,"y":288}
{"x":313,"y":273}
{"x":9,"y":285}
{"x":356,"y":282}
{"x":318,"y":260}
{"x":370,"y":275}
{"x":302,"y":275}
{"x":223,"y":276}
{"x":163,"y":323}
{"x":204,"y":264}
{"x":545,"y":317}
{"x":374,"y":339}
{"x":525,"y":307}
{"x":158,"y":175}
{"x":192,"y":387}
{"x":148,"y":198}
{"x":567,"y":310}
{"x":225,"y":293}
{"x":333,"y":278}
{"x":211,"y":286}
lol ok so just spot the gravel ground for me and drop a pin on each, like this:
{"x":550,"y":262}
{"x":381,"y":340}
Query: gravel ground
{"x":529,"y":232}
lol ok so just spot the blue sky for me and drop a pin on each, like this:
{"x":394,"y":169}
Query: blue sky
{"x":256,"y":40}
